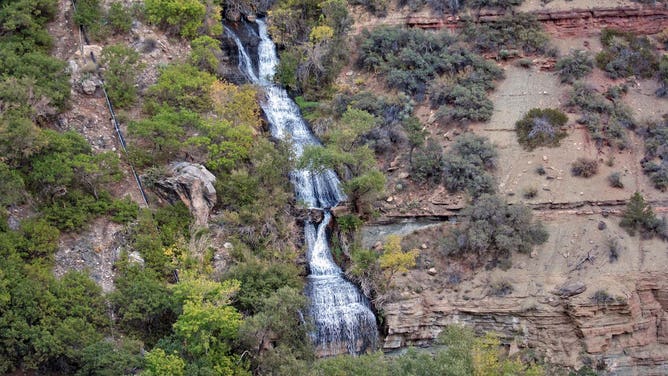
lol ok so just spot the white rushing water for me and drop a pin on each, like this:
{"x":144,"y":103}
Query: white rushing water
{"x":342,"y":316}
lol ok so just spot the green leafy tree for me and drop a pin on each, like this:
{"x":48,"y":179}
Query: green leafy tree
{"x":639,"y":216}
{"x":12,"y":187}
{"x":119,"y":18}
{"x":182,"y":17}
{"x":209,"y":324}
{"x":278,"y":321}
{"x":394,"y":259}
{"x":182,"y":86}
{"x":346,"y":153}
{"x":259,"y":280}
{"x":205,"y":54}
{"x":122,"y":66}
{"x":143,"y":304}
{"x":159,"y":363}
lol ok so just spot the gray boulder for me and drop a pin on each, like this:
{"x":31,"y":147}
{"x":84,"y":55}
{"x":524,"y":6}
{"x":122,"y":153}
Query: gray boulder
{"x":191,"y":183}
{"x":572,"y":288}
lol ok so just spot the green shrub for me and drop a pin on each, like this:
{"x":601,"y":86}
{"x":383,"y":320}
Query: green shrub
{"x":375,"y":7}
{"x":662,"y":91}
{"x":615,"y":180}
{"x":89,"y":15}
{"x":606,"y":122}
{"x":466,"y":104}
{"x":584,"y":167}
{"x":349,"y":223}
{"x":286,"y":71}
{"x":655,"y":161}
{"x":602,"y":297}
{"x":12,"y":189}
{"x":493,"y":227}
{"x":181,"y":86}
{"x":530,"y":192}
{"x":119,"y":18}
{"x":613,"y":249}
{"x":426,"y":163}
{"x":259,"y":280}
{"x":500,"y":4}
{"x":410,"y":59}
{"x":36,"y":75}
{"x":501,"y":288}
{"x":541,"y":127}
{"x":639,"y":216}
{"x":39,"y":239}
{"x":122,"y":66}
{"x":206,"y":54}
{"x":625,"y":54}
{"x":181,"y":17}
{"x":465,"y":166}
{"x":575,"y":66}
{"x":517,"y":32}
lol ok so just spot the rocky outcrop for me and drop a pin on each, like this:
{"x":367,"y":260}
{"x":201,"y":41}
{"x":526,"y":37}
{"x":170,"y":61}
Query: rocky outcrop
{"x":627,"y":334}
{"x":575,"y":22}
{"x":93,"y":251}
{"x":191,"y":183}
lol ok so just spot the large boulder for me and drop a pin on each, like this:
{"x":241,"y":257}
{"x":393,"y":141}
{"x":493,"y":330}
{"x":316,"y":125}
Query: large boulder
{"x":191,"y":183}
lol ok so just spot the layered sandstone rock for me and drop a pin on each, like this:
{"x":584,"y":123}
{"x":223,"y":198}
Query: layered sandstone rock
{"x":574,"y":22}
{"x":629,"y":334}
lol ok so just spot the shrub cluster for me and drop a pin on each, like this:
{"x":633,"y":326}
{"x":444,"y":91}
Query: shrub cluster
{"x":576,"y":65}
{"x":185,"y":18}
{"x":625,"y":54}
{"x":427,"y":163}
{"x":466,"y":165}
{"x":662,"y":91}
{"x":518,"y":32}
{"x":494,"y":228}
{"x":394,"y":130}
{"x":122,"y":64}
{"x":411,"y":59}
{"x":655,"y":162}
{"x":606,"y":121}
{"x":499,"y":4}
{"x":312,"y":39}
{"x":639,"y":216}
{"x":584,"y":167}
{"x":541,"y":127}
{"x":615,"y":180}
{"x":99,"y":23}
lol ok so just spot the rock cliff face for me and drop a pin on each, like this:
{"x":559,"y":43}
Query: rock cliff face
{"x":576,"y":22}
{"x":193,"y":184}
{"x":628,"y":335}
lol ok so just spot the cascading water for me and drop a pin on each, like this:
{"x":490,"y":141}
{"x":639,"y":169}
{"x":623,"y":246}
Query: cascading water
{"x":343,"y":319}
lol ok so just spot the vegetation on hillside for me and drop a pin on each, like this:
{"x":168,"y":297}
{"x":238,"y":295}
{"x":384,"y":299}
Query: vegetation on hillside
{"x":541,"y":127}
{"x":638,"y":216}
{"x":420,"y":63}
{"x":493,"y":229}
{"x":463,"y":353}
{"x":625,"y":54}
{"x":607,"y":120}
{"x":655,"y":161}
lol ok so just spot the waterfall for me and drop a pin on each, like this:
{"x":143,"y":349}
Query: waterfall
{"x":342,"y":315}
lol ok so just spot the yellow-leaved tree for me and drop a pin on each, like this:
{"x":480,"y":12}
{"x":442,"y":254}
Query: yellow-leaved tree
{"x":394,"y":259}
